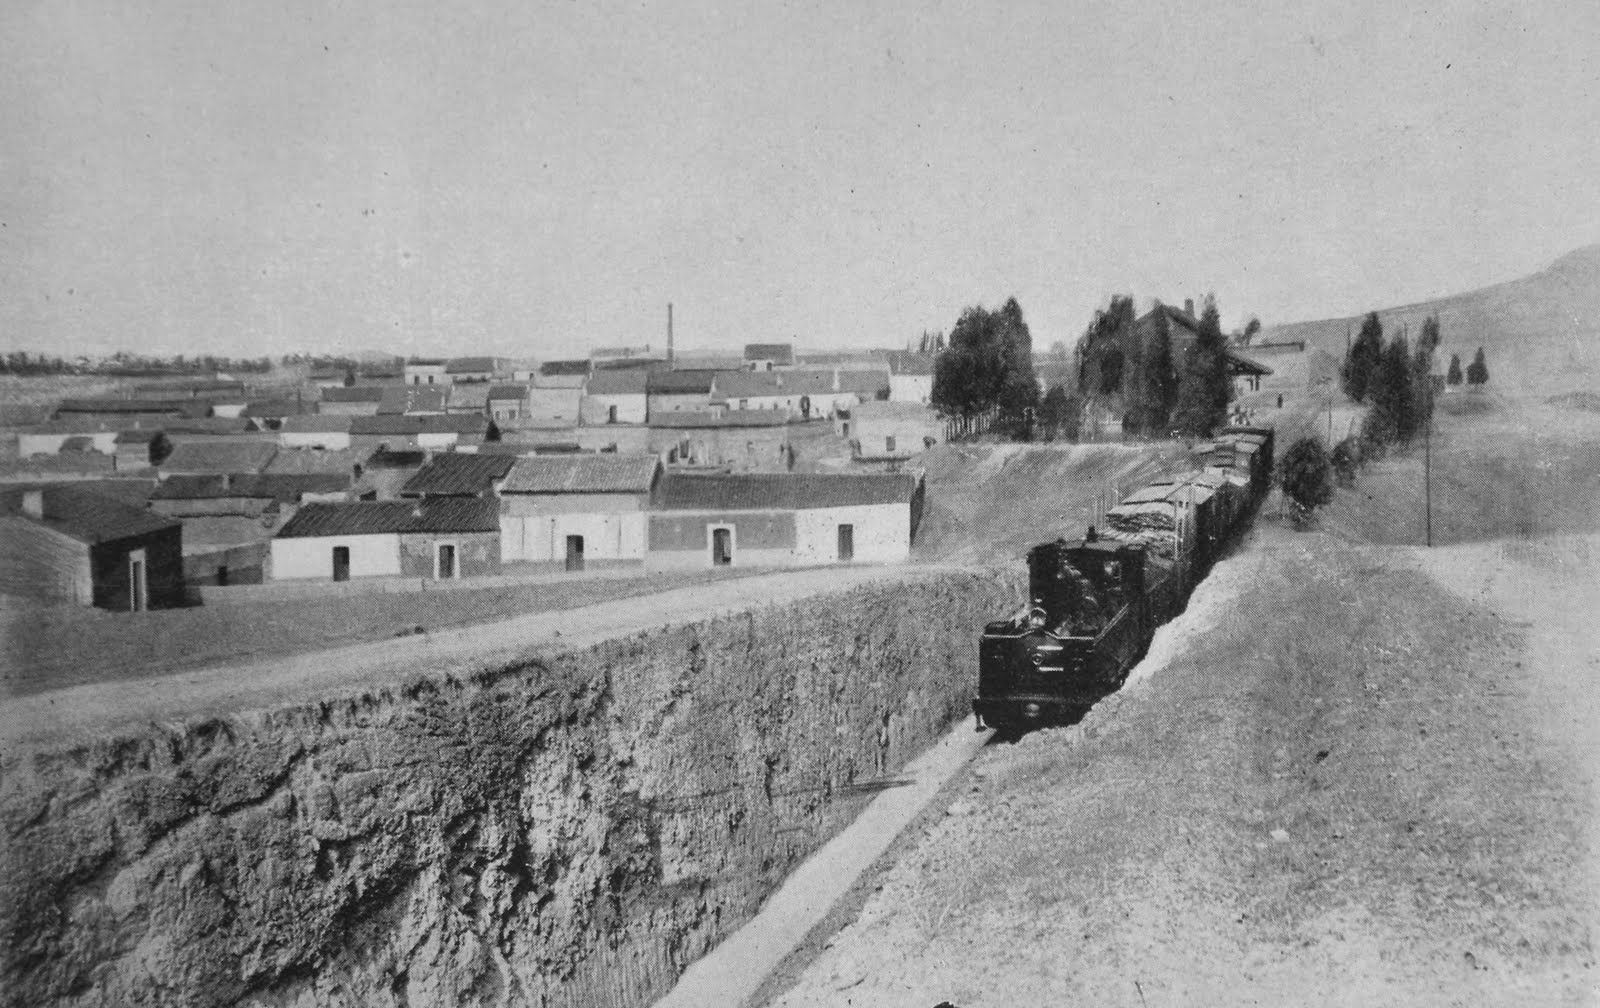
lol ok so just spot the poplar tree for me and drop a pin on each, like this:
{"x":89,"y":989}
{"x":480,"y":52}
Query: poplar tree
{"x":1453,"y":376}
{"x":1362,"y":359}
{"x":1478,"y":370}
{"x":1203,"y":387}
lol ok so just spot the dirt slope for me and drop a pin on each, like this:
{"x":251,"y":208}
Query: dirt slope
{"x":1339,"y":788}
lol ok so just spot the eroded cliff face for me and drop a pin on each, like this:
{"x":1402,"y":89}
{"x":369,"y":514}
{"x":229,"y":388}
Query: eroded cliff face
{"x":571,"y":830}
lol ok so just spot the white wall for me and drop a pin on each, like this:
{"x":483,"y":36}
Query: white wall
{"x":630,"y":408}
{"x":331,"y":440}
{"x":606,"y":536}
{"x":312,"y":556}
{"x":882,"y":533}
{"x":910,"y":388}
{"x":105,"y":442}
{"x":437,"y":441}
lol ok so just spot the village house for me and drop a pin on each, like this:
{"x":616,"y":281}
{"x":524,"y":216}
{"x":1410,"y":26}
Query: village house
{"x":438,"y":538}
{"x":678,"y":390}
{"x":468,"y":398}
{"x":767,"y":356}
{"x":379,"y":373}
{"x":911,"y":378}
{"x":413,"y":400}
{"x":471,"y":369}
{"x":890,"y":431}
{"x":783,"y":519}
{"x":71,"y":466}
{"x":316,"y":430}
{"x":552,"y":407}
{"x":63,"y":544}
{"x":138,"y":450}
{"x":48,"y":438}
{"x":217,"y":455}
{"x":328,"y":377}
{"x":357,"y":400}
{"x":562,"y":374}
{"x":866,"y":384}
{"x":745,"y":440}
{"x":214,"y":389}
{"x":436,"y":432}
{"x":509,"y":403}
{"x":339,"y":461}
{"x":132,"y":412}
{"x":803,"y":394}
{"x":577,"y":509}
{"x":615,"y":396}
{"x":269,"y":414}
{"x":425,"y":371}
{"x":229,"y":520}
{"x":457,"y":474}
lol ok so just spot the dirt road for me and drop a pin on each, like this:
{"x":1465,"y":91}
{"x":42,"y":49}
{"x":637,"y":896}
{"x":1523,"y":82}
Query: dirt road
{"x":1340,"y":782}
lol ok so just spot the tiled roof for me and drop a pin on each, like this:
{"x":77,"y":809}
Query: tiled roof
{"x":778,"y":353}
{"x":728,"y":418}
{"x":380,"y":371}
{"x":386,"y":458}
{"x":274,"y":408}
{"x":564,"y":367}
{"x":91,"y":517}
{"x":1245,"y":365}
{"x":317,"y":423}
{"x":583,"y":474}
{"x":619,"y":381}
{"x":864,"y":383}
{"x":308,"y":460}
{"x":399,"y":399}
{"x":460,"y":423}
{"x":518,"y":392}
{"x":219,"y":456}
{"x":469,"y":365}
{"x":458,"y":474}
{"x":176,"y":407}
{"x":425,"y":362}
{"x":355,"y":393}
{"x":680,"y":382}
{"x":207,"y":425}
{"x":747,"y":384}
{"x":139,"y":436}
{"x":782,"y":491}
{"x":876,"y":410}
{"x":73,"y":424}
{"x":327,"y":374}
{"x":286,"y":488}
{"x":438,"y":515}
{"x":911,"y":364}
{"x":468,"y":395}
{"x":41,"y":467}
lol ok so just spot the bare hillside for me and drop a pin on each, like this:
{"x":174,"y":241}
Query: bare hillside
{"x":1540,"y":333}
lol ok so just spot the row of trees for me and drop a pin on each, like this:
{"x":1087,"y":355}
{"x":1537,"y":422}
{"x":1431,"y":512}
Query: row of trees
{"x":986,"y":371}
{"x":123,"y":363}
{"x":1394,"y":380}
{"x":1477,"y":371}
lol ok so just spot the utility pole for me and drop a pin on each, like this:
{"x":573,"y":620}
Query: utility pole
{"x":1427,"y":465}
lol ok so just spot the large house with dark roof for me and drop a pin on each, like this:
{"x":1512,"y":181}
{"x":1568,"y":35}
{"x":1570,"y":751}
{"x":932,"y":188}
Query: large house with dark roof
{"x":438,"y":538}
{"x":458,"y":474}
{"x":357,"y":400}
{"x":437,"y":432}
{"x":678,"y":390}
{"x":783,"y":519}
{"x":64,"y":544}
{"x":577,"y":509}
{"x":561,"y":374}
{"x":471,"y":369}
{"x":218,"y":455}
{"x":616,"y":396}
{"x":767,"y":356}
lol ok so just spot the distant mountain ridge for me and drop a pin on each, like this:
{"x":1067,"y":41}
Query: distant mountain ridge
{"x":1540,"y":333}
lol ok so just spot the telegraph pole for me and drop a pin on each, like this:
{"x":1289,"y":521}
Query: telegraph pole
{"x":1427,"y":465}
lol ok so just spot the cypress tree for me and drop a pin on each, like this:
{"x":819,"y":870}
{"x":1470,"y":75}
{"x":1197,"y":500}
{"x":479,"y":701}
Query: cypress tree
{"x":1203,"y":387}
{"x":1453,"y":376}
{"x":1362,"y":359}
{"x":1478,"y":370}
{"x":1393,"y":394}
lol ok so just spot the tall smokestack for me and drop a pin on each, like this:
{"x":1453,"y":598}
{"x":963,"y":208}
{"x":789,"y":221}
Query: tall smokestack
{"x":669,"y":333}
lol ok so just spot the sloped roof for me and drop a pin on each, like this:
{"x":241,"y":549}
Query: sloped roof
{"x":73,"y":424}
{"x":778,"y":353}
{"x":681,"y":382}
{"x":35,"y":468}
{"x":286,"y":488}
{"x":177,"y":407}
{"x":884,"y":410}
{"x":618,"y":381}
{"x":499,"y":392}
{"x":273,"y":408}
{"x":317,"y":423}
{"x":307,"y":460}
{"x":469,"y":365}
{"x":564,"y":367}
{"x":782,"y":491}
{"x":425,"y":362}
{"x":353,"y":518}
{"x":355,"y":393}
{"x":399,"y":399}
{"x":459,"y":423}
{"x":1245,"y":365}
{"x":143,"y":435}
{"x":380,"y":371}
{"x":207,"y":425}
{"x":865,"y":383}
{"x":746,"y":384}
{"x":469,"y":395}
{"x":583,"y":474}
{"x":458,"y":474}
{"x":90,"y":517}
{"x":386,"y":458}
{"x":910,"y":363}
{"x":219,"y":456}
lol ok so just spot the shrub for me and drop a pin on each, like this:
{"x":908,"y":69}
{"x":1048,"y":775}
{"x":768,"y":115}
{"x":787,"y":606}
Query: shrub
{"x":1307,"y":475}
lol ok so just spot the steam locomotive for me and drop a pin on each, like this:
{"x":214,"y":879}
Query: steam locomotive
{"x":1094,"y":604}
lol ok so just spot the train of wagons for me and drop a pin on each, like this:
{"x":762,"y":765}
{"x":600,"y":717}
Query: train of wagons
{"x":1094,"y":604}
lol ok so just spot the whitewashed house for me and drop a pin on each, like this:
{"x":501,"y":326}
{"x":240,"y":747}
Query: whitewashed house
{"x":438,"y":538}
{"x":426,"y":371}
{"x":330,"y":432}
{"x":889,"y":431}
{"x":783,"y":519}
{"x":616,"y":396}
{"x":577,"y":509}
{"x":911,"y":378}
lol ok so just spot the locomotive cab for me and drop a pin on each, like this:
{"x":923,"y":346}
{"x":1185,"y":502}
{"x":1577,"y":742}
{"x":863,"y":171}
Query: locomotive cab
{"x":1041,"y":664}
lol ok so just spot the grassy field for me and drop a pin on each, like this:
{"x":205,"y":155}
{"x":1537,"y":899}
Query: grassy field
{"x":51,"y":648}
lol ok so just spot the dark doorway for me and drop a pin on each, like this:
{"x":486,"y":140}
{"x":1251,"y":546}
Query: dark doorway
{"x":222,"y":575}
{"x":721,"y":547}
{"x":447,"y":560}
{"x":847,"y":543}
{"x":341,"y":563}
{"x":574,"y":553}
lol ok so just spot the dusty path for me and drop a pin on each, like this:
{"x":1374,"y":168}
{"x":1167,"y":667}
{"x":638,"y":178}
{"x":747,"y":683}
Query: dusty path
{"x":243,"y":686}
{"x":1337,"y":785}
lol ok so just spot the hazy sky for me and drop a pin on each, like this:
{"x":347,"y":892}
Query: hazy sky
{"x":536,"y":179}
